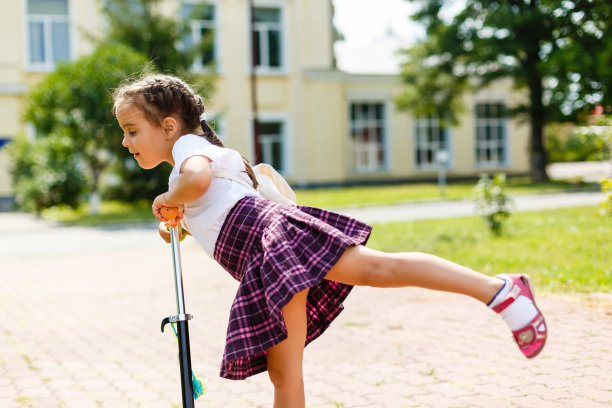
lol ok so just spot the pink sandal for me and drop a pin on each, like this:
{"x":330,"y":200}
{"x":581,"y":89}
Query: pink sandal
{"x":532,"y":337}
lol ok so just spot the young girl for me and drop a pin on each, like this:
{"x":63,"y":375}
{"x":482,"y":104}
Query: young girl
{"x":295,"y":264}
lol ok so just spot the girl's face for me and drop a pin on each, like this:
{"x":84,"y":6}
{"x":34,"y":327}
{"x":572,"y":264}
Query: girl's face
{"x":148,"y":143}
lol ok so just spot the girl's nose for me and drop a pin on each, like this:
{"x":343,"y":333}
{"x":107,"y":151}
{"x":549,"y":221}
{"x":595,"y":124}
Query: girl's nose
{"x":124,"y":142}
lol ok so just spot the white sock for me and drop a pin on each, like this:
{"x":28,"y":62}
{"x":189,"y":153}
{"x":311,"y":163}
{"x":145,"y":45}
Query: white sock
{"x":519,"y":313}
{"x":501,"y":295}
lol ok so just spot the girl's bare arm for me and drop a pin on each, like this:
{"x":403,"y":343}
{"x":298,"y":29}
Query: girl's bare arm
{"x":193,"y":181}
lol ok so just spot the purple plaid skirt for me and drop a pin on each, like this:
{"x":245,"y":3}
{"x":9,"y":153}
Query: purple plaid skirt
{"x":275,"y":251}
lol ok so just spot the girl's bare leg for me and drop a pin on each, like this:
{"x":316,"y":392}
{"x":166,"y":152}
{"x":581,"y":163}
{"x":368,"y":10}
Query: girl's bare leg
{"x":285,"y":359}
{"x":366,"y":267}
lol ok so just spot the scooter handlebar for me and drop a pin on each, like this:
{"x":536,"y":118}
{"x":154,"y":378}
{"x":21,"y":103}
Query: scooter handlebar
{"x":169,"y":213}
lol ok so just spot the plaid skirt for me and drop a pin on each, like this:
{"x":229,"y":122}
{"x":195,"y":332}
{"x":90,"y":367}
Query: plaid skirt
{"x":275,"y":251}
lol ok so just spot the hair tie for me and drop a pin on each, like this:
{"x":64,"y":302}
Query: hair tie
{"x":203,"y":115}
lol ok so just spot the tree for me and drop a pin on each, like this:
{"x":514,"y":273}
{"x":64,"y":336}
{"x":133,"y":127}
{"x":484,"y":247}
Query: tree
{"x":74,"y":103}
{"x":560,"y":52}
{"x":142,"y":26}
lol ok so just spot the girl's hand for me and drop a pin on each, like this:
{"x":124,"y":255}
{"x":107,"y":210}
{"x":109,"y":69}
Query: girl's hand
{"x":165,"y":233}
{"x":162,"y":201}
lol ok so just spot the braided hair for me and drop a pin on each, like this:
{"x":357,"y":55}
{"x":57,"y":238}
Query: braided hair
{"x":159,"y":96}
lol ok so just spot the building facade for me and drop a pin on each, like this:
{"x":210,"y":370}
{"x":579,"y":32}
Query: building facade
{"x":318,"y":124}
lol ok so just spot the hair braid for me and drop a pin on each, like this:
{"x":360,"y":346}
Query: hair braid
{"x":212,"y":137}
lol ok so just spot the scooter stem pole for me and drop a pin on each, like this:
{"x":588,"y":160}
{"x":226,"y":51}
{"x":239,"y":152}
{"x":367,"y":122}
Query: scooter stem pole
{"x":183,"y":327}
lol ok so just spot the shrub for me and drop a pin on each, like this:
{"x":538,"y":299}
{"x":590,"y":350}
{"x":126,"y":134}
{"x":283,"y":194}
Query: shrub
{"x":492,"y":202}
{"x":605,"y":208}
{"x":45,"y":172}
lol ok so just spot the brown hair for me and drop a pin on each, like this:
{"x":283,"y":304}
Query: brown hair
{"x":160,"y":96}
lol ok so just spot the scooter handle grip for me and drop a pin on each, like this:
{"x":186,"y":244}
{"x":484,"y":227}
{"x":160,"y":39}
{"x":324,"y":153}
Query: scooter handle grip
{"x":169,"y":213}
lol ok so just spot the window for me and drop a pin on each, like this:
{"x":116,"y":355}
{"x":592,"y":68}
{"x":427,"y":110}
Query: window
{"x":367,"y":131}
{"x":268,"y":38}
{"x":48,"y":31}
{"x":491,"y":140}
{"x":202,"y":19}
{"x":271,"y":135}
{"x":431,"y":137}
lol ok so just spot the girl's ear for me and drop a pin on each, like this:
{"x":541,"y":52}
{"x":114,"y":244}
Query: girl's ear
{"x":170,"y":127}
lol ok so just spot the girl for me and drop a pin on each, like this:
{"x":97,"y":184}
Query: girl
{"x":295,"y":264}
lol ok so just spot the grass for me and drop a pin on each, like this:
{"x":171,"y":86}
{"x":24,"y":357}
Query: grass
{"x":564,"y":250}
{"x":111,"y":212}
{"x":393,"y":194}
{"x":119,"y":212}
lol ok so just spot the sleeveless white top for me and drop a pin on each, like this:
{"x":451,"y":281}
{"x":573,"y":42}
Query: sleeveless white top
{"x":204,"y":217}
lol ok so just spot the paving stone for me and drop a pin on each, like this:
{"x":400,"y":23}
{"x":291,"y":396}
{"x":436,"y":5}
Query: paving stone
{"x":92,"y":339}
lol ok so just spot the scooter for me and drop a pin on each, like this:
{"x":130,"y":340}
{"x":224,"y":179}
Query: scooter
{"x":191,"y":386}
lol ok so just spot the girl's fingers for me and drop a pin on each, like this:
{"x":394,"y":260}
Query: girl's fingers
{"x":163,"y":232}
{"x":161,"y":202}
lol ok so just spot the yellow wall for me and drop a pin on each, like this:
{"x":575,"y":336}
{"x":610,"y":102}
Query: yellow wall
{"x":310,"y":94}
{"x":16,"y":78}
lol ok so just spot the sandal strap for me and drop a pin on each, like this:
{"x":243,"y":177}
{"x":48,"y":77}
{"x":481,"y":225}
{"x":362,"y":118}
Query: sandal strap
{"x":514,"y":293}
{"x":530,"y":333}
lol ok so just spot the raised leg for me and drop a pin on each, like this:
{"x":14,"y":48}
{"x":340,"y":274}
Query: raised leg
{"x":367,"y":267}
{"x":285,"y":359}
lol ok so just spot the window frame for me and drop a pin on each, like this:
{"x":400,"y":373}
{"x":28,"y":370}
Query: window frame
{"x":47,"y":21}
{"x":493,"y":145}
{"x":446,"y":134}
{"x":286,"y":138}
{"x":267,"y":70}
{"x":195,"y":26}
{"x":352,"y":159}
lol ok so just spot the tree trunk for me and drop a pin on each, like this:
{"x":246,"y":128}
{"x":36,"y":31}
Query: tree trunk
{"x":95,"y":198}
{"x":537,"y":152}
{"x":94,"y":203}
{"x":537,"y":116}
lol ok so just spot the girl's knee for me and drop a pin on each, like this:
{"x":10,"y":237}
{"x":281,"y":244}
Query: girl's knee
{"x":286,"y":381}
{"x":366,"y":267}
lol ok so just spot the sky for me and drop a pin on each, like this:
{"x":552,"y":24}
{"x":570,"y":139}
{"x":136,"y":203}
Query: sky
{"x":363,"y":21}
{"x":374,"y":30}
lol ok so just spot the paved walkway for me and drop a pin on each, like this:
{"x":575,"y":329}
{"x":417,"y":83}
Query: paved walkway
{"x":80,"y":311}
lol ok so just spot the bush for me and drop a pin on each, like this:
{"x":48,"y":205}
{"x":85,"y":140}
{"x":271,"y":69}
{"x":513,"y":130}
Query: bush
{"x":45,"y":172}
{"x":578,"y":146}
{"x":605,"y":208}
{"x":75,"y":102}
{"x":492,"y":202}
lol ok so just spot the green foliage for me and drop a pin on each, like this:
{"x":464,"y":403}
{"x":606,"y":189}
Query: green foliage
{"x":142,"y":26}
{"x":558,"y":51}
{"x":133,"y":183}
{"x":584,"y":143}
{"x":74,"y":103}
{"x":578,"y":146}
{"x":492,"y":202}
{"x":605,"y":208}
{"x":45,"y":172}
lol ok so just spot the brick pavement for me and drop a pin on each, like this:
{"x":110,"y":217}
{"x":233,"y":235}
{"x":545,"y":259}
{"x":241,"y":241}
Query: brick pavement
{"x":82,"y":330}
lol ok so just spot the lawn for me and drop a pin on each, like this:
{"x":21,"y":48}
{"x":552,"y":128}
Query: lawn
{"x":362,"y":196}
{"x":392,"y":194}
{"x":564,"y":250}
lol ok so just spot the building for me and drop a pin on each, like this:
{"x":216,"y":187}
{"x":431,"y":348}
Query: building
{"x":319,"y":125}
